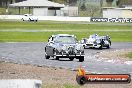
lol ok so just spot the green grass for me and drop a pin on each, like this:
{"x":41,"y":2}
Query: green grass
{"x":61,"y":26}
{"x":43,"y":36}
{"x":2,"y":11}
{"x":66,"y":85}
{"x":129,"y":55}
{"x":80,"y":30}
{"x":70,"y":86}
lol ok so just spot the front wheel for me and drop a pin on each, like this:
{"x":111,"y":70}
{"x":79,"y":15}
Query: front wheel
{"x":54,"y":53}
{"x":81,"y":59}
{"x":101,"y":47}
{"x":36,"y":20}
{"x":84,"y":46}
{"x":57,"y":58}
{"x":29,"y":20}
{"x":71,"y":58}
{"x":109,"y":45}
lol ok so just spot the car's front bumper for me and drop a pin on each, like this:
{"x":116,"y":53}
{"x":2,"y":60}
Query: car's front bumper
{"x":33,"y":19}
{"x":93,"y":45}
{"x":69,"y":55}
{"x":66,"y":54}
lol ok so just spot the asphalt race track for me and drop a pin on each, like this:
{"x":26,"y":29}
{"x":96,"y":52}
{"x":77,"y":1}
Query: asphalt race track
{"x":33,"y":53}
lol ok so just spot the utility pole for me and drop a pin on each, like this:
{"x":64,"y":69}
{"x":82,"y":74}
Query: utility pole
{"x":101,"y":7}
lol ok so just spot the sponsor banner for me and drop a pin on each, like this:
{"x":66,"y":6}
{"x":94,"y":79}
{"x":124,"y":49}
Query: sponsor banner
{"x":122,"y":20}
{"x":83,"y":78}
{"x":108,"y":78}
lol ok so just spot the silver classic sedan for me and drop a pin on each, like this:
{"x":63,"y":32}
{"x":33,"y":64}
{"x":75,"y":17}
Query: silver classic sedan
{"x":64,"y":46}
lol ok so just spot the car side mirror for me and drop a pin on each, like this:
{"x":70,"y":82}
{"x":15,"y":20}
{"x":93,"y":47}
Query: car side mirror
{"x":79,"y":42}
{"x":52,"y":42}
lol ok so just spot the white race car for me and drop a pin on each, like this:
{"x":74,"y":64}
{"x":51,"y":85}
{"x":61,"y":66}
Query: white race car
{"x":29,"y":17}
{"x":96,"y":41}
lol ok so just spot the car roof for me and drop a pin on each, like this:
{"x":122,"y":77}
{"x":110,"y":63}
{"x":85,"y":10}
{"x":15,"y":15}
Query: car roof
{"x":28,"y":14}
{"x":63,"y":35}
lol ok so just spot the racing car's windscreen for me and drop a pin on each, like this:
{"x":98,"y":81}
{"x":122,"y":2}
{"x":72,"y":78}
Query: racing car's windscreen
{"x":65,"y":39}
{"x":93,"y":36}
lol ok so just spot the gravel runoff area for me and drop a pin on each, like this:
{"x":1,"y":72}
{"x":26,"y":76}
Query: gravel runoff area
{"x":119,"y":54}
{"x":51,"y":77}
{"x":33,"y":53}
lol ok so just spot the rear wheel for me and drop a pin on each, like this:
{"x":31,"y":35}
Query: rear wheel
{"x":71,"y":58}
{"x":101,"y":46}
{"x":47,"y":57}
{"x":81,"y":59}
{"x":108,"y":47}
{"x":110,"y":42}
{"x":22,"y":19}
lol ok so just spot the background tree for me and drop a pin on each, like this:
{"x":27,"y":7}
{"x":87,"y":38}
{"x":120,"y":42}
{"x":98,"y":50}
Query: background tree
{"x":5,"y":3}
{"x":123,"y":2}
{"x":92,"y":10}
{"x":83,"y":7}
{"x":72,"y":2}
{"x":59,"y":1}
{"x":101,"y":5}
{"x":66,"y":2}
{"x":109,"y":2}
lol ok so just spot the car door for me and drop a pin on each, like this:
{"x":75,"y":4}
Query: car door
{"x":50,"y":47}
{"x":26,"y":17}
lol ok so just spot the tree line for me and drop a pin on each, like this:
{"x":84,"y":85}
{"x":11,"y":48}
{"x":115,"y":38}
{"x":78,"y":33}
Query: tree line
{"x":4,"y":3}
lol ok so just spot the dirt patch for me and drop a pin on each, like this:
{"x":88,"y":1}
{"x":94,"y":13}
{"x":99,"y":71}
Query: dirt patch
{"x":51,"y":77}
{"x":115,"y":54}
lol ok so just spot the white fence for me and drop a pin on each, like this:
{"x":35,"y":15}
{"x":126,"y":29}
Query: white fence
{"x":20,"y":83}
{"x":66,"y":18}
{"x":51,"y":18}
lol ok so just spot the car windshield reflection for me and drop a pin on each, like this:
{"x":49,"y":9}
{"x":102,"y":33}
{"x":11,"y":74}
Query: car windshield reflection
{"x":65,"y":39}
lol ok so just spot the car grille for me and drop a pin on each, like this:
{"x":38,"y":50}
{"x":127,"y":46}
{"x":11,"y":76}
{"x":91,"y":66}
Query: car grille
{"x":71,"y":50}
{"x":89,"y":44}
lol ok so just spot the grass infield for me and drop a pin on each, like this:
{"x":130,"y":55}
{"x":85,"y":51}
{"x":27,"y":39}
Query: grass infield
{"x":13,"y":31}
{"x":129,"y":55}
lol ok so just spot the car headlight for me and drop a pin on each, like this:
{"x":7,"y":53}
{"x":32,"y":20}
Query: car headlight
{"x":79,"y":48}
{"x":59,"y":49}
{"x":64,"y":47}
{"x":98,"y":41}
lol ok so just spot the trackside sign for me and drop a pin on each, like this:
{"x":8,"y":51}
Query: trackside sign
{"x":122,"y":20}
{"x":82,"y":78}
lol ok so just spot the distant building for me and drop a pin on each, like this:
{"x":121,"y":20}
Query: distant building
{"x":113,"y":12}
{"x":40,"y":7}
{"x":69,"y":11}
{"x":46,"y":8}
